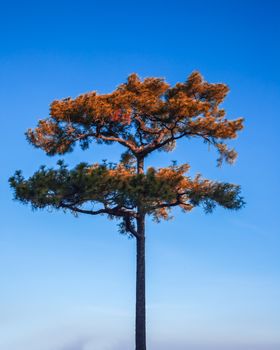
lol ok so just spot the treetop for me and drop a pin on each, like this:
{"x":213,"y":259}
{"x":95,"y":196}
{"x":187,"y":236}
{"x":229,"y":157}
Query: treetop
{"x":142,"y":115}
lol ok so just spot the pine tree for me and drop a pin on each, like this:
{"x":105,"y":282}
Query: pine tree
{"x":143,"y":116}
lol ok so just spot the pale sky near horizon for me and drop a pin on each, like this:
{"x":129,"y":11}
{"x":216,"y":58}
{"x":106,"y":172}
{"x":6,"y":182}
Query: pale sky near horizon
{"x":212,"y":280}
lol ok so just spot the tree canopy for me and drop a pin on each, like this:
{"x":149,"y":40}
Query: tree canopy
{"x":143,"y":116}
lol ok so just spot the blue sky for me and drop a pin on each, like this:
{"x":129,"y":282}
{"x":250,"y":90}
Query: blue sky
{"x":213,"y":280}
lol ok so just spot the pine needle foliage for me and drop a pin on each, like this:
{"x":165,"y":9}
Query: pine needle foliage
{"x":143,"y":116}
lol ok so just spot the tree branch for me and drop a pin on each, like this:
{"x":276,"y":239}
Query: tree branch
{"x":144,"y":127}
{"x":109,"y":211}
{"x":130,"y":227}
{"x":120,"y":140}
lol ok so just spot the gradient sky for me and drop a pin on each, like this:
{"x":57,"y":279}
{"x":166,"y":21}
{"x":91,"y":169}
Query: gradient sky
{"x":213,"y":280}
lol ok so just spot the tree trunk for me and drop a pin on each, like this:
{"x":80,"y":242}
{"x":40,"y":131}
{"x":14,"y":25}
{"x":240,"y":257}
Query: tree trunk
{"x":140,"y":324}
{"x":140,"y":165}
{"x":140,"y":331}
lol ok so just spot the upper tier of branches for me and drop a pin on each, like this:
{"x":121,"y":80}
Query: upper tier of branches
{"x":143,"y":116}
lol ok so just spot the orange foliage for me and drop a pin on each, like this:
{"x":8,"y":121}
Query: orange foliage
{"x":142,"y":116}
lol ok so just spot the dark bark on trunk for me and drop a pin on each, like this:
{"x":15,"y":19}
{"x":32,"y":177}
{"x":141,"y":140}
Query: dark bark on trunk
{"x":140,"y":288}
{"x":140,"y":324}
{"x":140,"y":165}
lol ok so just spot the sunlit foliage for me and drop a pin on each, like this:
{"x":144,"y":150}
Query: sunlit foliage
{"x":143,"y":116}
